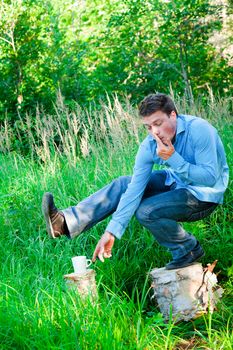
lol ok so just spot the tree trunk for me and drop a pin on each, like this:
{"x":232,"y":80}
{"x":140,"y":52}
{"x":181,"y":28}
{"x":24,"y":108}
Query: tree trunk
{"x":84,"y":284}
{"x":185,"y":293}
{"x":188,"y":88}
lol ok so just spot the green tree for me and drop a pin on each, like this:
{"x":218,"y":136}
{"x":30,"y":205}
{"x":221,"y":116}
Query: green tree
{"x":147,"y":45}
{"x":184,"y":30}
{"x":38,"y":54}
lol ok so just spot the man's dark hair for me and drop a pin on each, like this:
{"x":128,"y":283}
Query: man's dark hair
{"x":156,"y":102}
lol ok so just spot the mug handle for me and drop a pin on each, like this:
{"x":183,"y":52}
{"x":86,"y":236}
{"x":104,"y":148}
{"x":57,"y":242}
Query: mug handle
{"x":89,"y":262}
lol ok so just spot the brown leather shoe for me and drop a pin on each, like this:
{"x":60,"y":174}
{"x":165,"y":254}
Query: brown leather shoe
{"x":55,"y":220}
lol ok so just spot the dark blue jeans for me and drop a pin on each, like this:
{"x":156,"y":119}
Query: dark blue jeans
{"x":160,"y":210}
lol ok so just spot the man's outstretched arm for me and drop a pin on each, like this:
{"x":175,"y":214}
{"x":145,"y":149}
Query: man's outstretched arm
{"x":128,"y":204}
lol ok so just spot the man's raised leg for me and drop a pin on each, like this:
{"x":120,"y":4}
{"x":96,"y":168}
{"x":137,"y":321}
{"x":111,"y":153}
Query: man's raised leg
{"x":76,"y":219}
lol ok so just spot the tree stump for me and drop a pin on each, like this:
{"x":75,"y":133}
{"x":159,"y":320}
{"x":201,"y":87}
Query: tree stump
{"x":185,"y":293}
{"x":83,"y":283}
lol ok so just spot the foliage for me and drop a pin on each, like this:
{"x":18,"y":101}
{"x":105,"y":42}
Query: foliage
{"x":88,"y":48}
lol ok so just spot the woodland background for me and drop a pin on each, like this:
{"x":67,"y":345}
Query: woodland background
{"x":90,"y":48}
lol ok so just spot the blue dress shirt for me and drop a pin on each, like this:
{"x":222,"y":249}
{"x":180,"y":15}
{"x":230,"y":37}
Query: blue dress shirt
{"x":198,"y":164}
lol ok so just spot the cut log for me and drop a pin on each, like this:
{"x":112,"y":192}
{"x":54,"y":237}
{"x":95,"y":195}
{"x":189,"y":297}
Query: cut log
{"x":185,"y":293}
{"x":83,"y":283}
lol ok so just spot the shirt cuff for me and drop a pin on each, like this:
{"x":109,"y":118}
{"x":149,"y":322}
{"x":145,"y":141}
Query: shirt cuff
{"x":175,"y":161}
{"x":115,"y":229}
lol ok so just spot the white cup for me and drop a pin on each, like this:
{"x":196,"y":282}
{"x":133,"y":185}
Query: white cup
{"x":80,"y":264}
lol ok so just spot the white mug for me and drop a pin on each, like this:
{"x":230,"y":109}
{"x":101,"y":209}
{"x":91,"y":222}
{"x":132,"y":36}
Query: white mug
{"x":80,"y":264}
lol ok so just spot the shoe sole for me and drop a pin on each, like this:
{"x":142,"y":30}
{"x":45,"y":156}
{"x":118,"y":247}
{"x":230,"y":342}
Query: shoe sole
{"x":186,"y":265}
{"x":45,"y":211}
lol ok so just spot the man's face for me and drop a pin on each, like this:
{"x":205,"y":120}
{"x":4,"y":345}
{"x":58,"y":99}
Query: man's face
{"x":162,"y":125}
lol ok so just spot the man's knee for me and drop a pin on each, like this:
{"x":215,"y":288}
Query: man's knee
{"x":142,"y":214}
{"x":150,"y":211}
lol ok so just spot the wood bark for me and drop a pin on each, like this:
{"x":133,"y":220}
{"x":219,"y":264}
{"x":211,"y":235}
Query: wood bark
{"x":187,"y":84}
{"x":84,"y":284}
{"x":185,"y":293}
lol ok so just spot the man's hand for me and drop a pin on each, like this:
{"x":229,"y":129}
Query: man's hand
{"x":104,"y":247}
{"x":164,"y":151}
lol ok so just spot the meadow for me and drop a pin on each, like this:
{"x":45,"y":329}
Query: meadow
{"x":72,"y":154}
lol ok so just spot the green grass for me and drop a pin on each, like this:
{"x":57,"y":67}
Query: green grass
{"x":36,"y":309}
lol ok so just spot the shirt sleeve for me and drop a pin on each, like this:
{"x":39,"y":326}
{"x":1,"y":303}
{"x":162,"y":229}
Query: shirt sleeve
{"x":204,"y":171}
{"x":130,"y":200}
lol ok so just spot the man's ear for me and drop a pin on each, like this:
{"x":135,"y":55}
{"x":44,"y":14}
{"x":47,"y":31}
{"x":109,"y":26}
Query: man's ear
{"x":173,"y":115}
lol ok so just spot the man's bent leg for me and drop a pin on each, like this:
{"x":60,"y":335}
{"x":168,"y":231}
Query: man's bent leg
{"x":96,"y":207}
{"x":161,"y":212}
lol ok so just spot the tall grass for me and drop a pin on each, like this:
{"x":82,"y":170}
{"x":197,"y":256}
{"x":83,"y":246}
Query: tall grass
{"x":72,"y":154}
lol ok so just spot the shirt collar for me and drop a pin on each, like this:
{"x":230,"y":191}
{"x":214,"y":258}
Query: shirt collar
{"x":180,"y":127}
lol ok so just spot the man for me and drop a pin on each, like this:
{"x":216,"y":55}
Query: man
{"x":189,"y":189}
